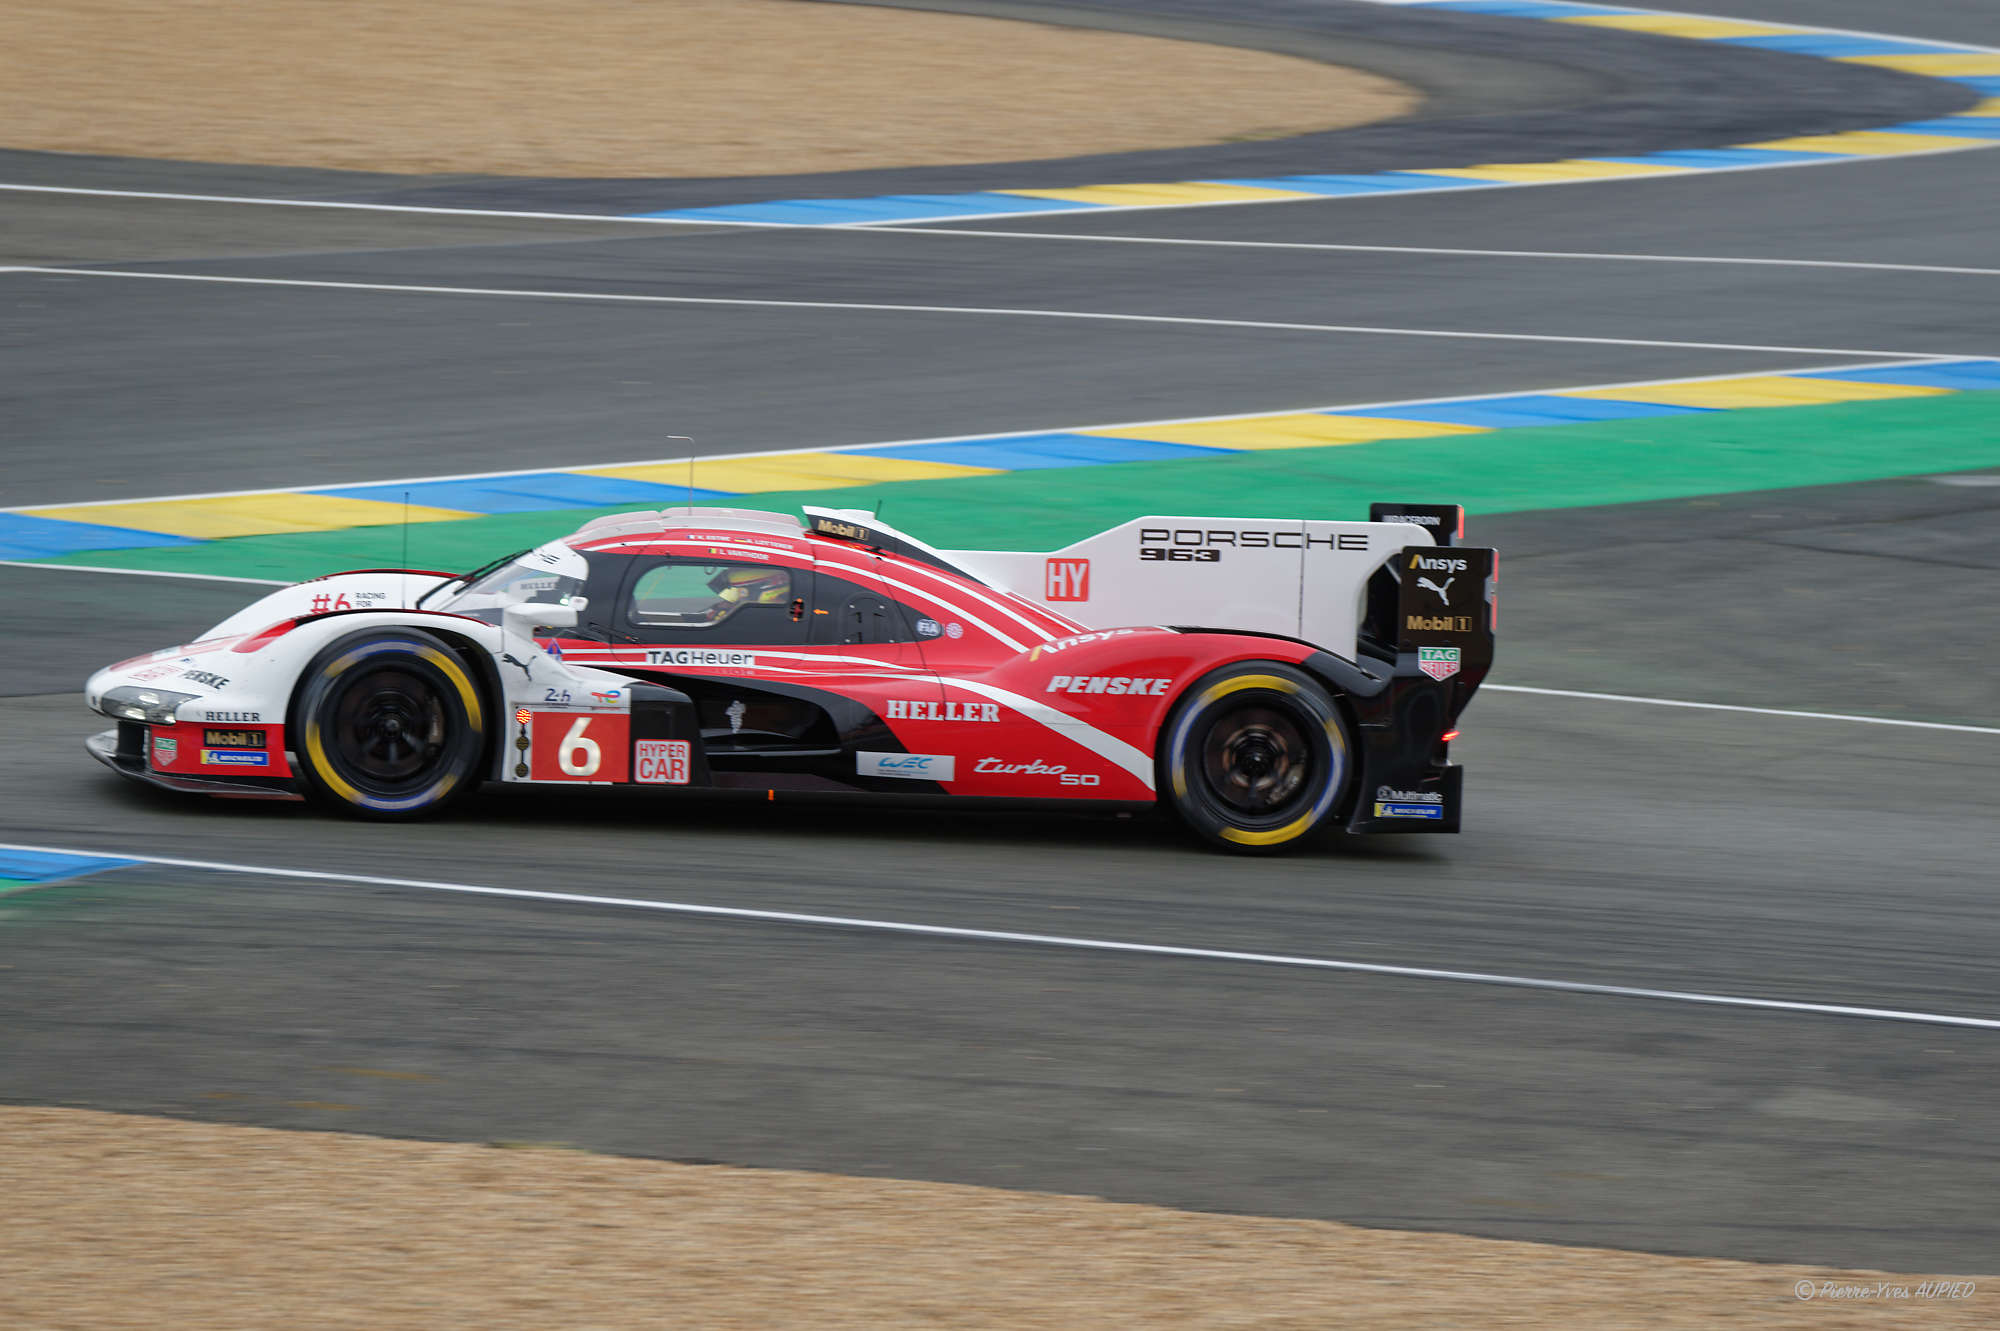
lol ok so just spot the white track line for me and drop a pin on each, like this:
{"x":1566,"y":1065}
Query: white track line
{"x":890,"y":228}
{"x":615,"y":297}
{"x":1009,"y":215}
{"x":141,"y":572}
{"x":1054,"y":940}
{"x":1594,"y":255}
{"x":994,"y":434}
{"x":1732,"y":707}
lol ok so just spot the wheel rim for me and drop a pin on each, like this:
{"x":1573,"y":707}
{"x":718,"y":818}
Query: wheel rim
{"x":1257,"y":761}
{"x":389,"y":729}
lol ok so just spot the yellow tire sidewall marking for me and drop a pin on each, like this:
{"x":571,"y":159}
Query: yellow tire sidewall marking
{"x":316,"y":748}
{"x":1222,"y":689}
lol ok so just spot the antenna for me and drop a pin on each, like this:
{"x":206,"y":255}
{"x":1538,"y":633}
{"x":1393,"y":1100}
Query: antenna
{"x":690,"y":443}
{"x":404,"y":579}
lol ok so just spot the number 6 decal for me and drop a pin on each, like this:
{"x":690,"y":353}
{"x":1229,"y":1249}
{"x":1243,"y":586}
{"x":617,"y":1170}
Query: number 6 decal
{"x":568,"y":746}
{"x":579,"y":754}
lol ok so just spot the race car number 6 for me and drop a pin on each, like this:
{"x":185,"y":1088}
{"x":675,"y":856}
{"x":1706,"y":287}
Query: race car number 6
{"x":579,"y":754}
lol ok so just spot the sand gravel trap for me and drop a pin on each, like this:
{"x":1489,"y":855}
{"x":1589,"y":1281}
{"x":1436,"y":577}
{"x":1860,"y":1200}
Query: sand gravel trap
{"x":125,"y":1222}
{"x":629,"y":87}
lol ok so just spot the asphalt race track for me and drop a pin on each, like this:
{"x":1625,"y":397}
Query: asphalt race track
{"x":1820,"y":861}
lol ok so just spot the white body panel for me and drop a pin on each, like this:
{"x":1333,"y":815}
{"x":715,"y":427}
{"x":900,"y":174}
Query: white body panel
{"x":256,"y":687}
{"x":1305,"y":580}
{"x":344,"y":591}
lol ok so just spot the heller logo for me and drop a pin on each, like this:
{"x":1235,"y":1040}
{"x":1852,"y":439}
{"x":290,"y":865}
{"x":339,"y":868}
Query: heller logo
{"x":1440,"y":663}
{"x":660,"y":762}
{"x":922,"y":710}
{"x":1068,"y":580}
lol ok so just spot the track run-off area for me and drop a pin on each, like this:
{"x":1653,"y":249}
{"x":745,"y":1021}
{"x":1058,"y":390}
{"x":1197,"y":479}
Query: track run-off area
{"x":1708,"y":971}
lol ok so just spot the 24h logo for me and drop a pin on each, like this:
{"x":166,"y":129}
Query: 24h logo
{"x":1438,"y":662}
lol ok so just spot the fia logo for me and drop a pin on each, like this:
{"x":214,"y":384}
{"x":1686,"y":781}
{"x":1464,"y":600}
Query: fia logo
{"x":1067,"y":580}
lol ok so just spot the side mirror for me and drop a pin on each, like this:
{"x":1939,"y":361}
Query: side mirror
{"x":525,"y":618}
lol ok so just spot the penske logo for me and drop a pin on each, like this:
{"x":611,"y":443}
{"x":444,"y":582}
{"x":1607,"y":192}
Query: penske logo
{"x":1113,"y":684}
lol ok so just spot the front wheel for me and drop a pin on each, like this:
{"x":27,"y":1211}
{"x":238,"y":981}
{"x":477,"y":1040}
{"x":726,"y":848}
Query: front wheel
{"x":390,"y":724}
{"x":1255,"y":758}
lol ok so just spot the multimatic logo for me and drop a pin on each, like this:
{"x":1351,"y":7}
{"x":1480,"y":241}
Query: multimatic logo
{"x":1204,"y":545}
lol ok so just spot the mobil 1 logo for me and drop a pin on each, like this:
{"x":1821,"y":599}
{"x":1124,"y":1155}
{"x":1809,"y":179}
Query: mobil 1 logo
{"x":1443,"y":601}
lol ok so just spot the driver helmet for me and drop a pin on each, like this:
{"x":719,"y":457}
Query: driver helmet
{"x":750,"y":586}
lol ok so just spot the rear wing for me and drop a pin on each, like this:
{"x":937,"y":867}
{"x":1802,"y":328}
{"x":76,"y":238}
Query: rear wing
{"x":1343,"y":586}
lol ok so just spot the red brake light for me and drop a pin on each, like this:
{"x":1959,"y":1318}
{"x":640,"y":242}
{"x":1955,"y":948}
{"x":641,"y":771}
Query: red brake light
{"x":1449,"y":736}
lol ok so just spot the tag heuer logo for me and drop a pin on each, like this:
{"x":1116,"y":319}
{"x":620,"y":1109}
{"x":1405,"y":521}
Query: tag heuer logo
{"x":1438,"y":662}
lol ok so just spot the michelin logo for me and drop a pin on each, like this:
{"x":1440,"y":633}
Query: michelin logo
{"x":908,"y":766}
{"x":1435,"y":812}
{"x":235,"y":758}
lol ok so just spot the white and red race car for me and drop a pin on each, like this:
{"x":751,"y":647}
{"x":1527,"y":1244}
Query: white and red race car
{"x":1262,"y":679}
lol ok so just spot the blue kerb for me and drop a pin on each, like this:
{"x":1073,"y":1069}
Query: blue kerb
{"x":1521,"y":409}
{"x":1377,"y":181}
{"x":1833,"y":44}
{"x":888,"y":208}
{"x":528,"y":494}
{"x":1699,"y":158}
{"x":44,"y":866}
{"x":1039,"y":452}
{"x":1523,"y":8}
{"x":25,"y":536}
{"x":1965,"y":375}
{"x":1965,"y":127}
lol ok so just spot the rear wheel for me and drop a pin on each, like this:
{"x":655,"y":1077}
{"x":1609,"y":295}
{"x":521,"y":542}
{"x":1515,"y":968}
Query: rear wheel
{"x":389,"y":724}
{"x":1256,"y":758}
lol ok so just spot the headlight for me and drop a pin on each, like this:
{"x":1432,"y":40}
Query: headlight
{"x":136,"y":703}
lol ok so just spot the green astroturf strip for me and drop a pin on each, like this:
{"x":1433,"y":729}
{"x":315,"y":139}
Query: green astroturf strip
{"x":1608,"y":462}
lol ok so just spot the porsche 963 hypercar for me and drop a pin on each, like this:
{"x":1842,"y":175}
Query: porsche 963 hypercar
{"x":1263,"y":680}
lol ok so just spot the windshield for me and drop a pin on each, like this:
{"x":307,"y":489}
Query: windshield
{"x":548,"y":575}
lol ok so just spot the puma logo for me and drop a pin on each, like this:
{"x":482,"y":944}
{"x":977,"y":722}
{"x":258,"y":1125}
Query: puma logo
{"x":1444,"y":592}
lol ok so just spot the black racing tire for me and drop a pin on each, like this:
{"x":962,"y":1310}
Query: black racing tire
{"x":1256,"y":758}
{"x":389,"y":724}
